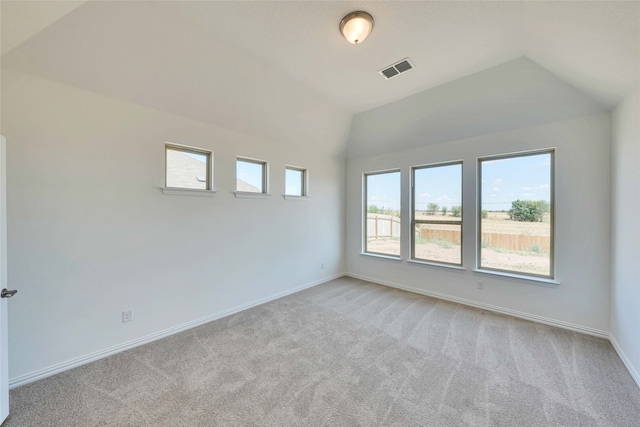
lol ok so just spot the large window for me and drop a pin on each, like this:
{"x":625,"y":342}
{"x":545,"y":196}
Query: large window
{"x":516,"y":202}
{"x":187,"y":167}
{"x":436,"y":220}
{"x":382,"y":213}
{"x":251,"y":176}
{"x":295,"y":181}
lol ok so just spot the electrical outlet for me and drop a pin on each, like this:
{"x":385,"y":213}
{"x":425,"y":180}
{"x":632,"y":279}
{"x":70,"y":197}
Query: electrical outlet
{"x":127,"y":316}
{"x":480,"y":285}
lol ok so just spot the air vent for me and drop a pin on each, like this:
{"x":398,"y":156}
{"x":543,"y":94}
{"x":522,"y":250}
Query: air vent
{"x":397,"y":68}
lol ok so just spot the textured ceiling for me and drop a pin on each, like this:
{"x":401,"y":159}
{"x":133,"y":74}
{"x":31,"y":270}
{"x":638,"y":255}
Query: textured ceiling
{"x":266,"y":66}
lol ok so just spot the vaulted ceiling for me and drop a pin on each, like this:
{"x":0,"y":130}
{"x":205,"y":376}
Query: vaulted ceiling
{"x":266,"y":65}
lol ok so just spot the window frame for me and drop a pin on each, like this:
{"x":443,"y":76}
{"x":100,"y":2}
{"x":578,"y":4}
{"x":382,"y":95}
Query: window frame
{"x":415,"y":221}
{"x":552,"y":217}
{"x":304,"y":189}
{"x":365,"y":192}
{"x":265,"y":175}
{"x":194,"y":150}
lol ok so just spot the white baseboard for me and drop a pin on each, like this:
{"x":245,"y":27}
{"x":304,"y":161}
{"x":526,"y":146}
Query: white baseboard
{"x":534,"y":318}
{"x":73,"y":363}
{"x":625,"y":360}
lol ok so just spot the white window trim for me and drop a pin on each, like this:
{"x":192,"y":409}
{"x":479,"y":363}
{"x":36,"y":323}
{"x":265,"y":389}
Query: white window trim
{"x":170,"y":191}
{"x":542,"y":281}
{"x":250,"y":195}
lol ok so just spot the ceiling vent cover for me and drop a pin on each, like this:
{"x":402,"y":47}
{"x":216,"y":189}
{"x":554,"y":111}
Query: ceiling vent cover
{"x":396,"y":69}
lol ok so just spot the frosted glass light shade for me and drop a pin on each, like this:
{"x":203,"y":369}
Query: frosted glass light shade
{"x":356,"y":26}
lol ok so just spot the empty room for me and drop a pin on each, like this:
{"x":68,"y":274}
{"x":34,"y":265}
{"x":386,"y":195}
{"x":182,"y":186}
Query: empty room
{"x":293,"y":213}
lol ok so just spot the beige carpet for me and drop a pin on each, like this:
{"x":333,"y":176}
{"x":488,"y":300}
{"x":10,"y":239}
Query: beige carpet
{"x":346,"y":353}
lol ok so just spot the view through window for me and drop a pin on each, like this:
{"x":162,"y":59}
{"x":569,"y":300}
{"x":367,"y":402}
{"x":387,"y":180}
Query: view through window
{"x":187,"y":168}
{"x":251,"y":176}
{"x":437,"y":213}
{"x":295,"y":181}
{"x":382,"y":213}
{"x":516,"y":217}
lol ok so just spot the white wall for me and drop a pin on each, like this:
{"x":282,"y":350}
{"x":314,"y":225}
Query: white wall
{"x":582,"y":224}
{"x":91,"y":234}
{"x":625,"y":278}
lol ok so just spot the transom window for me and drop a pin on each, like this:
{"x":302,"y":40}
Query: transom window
{"x":436,"y":224}
{"x":251,"y":175}
{"x":295,"y":181}
{"x":187,"y":167}
{"x":516,"y":199}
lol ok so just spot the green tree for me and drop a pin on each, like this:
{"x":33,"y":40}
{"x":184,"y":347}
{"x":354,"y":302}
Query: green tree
{"x":456,"y":211}
{"x":528,"y":210}
{"x":444,"y":210}
{"x":373,"y":209}
{"x":485,"y":214}
{"x":432,"y":208}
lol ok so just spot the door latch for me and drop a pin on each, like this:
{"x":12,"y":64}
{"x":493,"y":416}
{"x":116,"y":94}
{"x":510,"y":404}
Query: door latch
{"x":7,"y":294}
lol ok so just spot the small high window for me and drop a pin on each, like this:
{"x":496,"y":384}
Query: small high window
{"x":516,"y":200}
{"x":382,"y":213}
{"x":251,"y":176}
{"x":436,"y":196}
{"x":295,"y":181}
{"x":187,"y":167}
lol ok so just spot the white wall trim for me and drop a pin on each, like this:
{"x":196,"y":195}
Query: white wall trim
{"x":625,"y":360}
{"x":534,"y":318}
{"x":91,"y":357}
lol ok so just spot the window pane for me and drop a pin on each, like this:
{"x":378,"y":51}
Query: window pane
{"x":186,"y":169}
{"x":383,"y":213}
{"x":516,"y":214}
{"x":250,"y":176}
{"x":294,"y":182}
{"x":437,"y":193}
{"x":438,"y":242}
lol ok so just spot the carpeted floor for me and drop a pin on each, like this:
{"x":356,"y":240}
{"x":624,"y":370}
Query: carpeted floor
{"x":346,"y":353}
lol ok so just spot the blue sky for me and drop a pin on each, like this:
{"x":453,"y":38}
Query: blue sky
{"x":293,"y":182}
{"x":520,"y":178}
{"x":503,"y":181}
{"x":440,"y":184}
{"x":250,"y":173}
{"x":383,"y":190}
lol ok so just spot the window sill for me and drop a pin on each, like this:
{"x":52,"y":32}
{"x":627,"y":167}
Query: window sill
{"x":247,"y":195}
{"x":388,"y":257}
{"x":541,"y":281}
{"x":290,"y":197}
{"x":187,"y":192}
{"x":437,"y":264}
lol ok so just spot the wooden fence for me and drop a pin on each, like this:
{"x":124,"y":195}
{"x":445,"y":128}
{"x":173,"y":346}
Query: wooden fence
{"x":382,"y":226}
{"x":516,"y":242}
{"x":511,"y":242}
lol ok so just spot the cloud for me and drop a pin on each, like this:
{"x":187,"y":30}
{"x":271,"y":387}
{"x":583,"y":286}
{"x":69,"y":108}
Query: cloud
{"x":496,"y":188}
{"x":537,"y":187}
{"x":527,"y":194}
{"x":493,"y":195}
{"x":423,"y":195}
{"x":547,"y":162}
{"x":497,"y":181}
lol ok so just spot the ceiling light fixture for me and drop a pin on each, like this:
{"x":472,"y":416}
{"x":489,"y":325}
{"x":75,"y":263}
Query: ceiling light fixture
{"x":356,"y":26}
